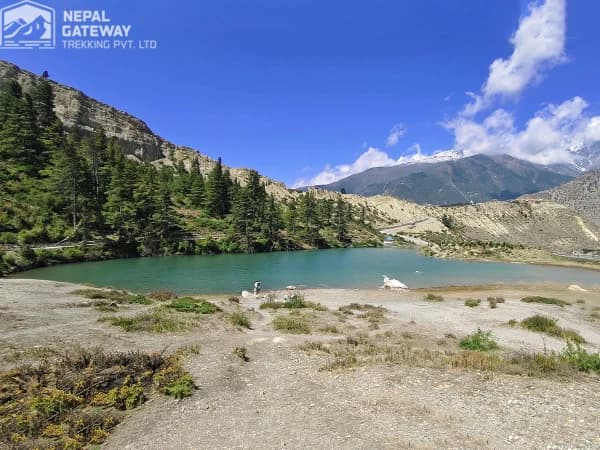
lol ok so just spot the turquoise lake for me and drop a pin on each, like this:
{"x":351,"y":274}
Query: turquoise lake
{"x":339,"y":268}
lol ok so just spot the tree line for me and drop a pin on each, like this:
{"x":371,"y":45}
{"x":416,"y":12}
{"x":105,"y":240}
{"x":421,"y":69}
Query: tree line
{"x":71,"y":184}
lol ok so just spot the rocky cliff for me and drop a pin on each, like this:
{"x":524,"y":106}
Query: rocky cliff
{"x":74,"y":108}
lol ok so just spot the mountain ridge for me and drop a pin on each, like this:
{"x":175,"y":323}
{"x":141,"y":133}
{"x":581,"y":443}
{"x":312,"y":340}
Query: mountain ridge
{"x":471,"y":179}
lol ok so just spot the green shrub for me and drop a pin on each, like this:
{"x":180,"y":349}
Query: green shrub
{"x":580,"y":358}
{"x":240,"y":319}
{"x":545,"y":300}
{"x":433,"y":298}
{"x":290,"y":325}
{"x":480,"y":341}
{"x":128,"y":396}
{"x":539,"y":323}
{"x":153,"y":322}
{"x":271,"y":304}
{"x":54,"y":401}
{"x":472,"y":302}
{"x":296,"y":301}
{"x":182,"y":387}
{"x":548,"y":325}
{"x":192,"y":305}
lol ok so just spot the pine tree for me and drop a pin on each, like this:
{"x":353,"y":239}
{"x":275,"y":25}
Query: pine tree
{"x":341,"y":220}
{"x":216,"y":192}
{"x":42,"y":96}
{"x":308,"y":214}
{"x":95,"y":149}
{"x":19,"y":146}
{"x":291,"y":217}
{"x":197,"y":188}
{"x":118,"y":210}
{"x":67,"y":178}
{"x":272,"y":220}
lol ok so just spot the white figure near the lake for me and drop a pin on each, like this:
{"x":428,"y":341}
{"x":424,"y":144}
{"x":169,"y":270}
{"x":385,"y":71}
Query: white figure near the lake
{"x":392,"y":283}
{"x":256,"y":288}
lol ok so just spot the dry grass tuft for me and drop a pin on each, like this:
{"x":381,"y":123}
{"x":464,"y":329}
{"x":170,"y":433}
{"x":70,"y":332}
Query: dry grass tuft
{"x":386,"y":348}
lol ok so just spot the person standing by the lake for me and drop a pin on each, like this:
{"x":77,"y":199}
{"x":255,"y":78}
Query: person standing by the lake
{"x":256,"y":288}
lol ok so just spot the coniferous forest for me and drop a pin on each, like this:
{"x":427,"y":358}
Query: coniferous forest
{"x":60,"y":186}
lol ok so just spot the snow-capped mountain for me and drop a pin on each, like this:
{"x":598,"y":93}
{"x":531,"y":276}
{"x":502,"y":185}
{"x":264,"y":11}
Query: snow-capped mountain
{"x":418,"y":157}
{"x":586,"y":157}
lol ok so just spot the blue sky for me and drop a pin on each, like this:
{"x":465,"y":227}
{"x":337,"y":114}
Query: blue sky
{"x":308,"y":91}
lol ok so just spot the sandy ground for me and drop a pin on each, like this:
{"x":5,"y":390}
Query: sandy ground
{"x":280,"y":399}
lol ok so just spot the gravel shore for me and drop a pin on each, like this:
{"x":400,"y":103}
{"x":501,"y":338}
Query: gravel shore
{"x":281,"y":397}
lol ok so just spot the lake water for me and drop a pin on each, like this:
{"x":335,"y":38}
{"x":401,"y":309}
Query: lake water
{"x":340,"y":268}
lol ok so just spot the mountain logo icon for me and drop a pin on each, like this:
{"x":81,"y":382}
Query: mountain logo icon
{"x":27,"y":25}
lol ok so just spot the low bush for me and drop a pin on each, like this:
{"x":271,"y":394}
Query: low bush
{"x":539,"y":323}
{"x":472,"y":302}
{"x":239,"y":319}
{"x":545,"y":300}
{"x":433,"y":298}
{"x":480,"y":341}
{"x":548,"y":325}
{"x":578,"y":357}
{"x":181,"y":387}
{"x":156,"y":321}
{"x":193,"y":305}
{"x":292,"y":325}
{"x":295,"y":301}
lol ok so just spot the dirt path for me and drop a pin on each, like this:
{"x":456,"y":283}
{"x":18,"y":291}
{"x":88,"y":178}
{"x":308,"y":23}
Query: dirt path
{"x":280,"y":399}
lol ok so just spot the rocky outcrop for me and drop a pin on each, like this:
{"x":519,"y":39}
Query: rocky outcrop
{"x":581,"y":195}
{"x":74,"y":108}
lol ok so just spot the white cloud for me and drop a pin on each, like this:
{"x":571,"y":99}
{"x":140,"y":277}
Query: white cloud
{"x":545,"y":139}
{"x":396,"y":133}
{"x":373,"y":157}
{"x":538,"y":44}
{"x":592,"y":130}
